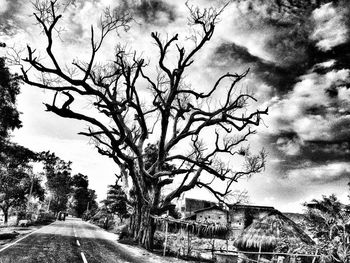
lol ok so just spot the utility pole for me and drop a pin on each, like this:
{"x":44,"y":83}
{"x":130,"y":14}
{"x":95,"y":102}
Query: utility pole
{"x":30,"y":191}
{"x":48,"y":207}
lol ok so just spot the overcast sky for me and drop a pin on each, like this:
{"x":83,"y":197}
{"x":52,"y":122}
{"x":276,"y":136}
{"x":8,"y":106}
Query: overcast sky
{"x":299,"y":60}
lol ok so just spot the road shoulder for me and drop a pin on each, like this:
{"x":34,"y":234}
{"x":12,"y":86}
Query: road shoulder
{"x":138,"y":254}
{"x":22,"y":232}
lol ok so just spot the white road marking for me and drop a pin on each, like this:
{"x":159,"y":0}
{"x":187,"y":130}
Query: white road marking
{"x":78,"y":243}
{"x":11,"y":244}
{"x":83,"y":257}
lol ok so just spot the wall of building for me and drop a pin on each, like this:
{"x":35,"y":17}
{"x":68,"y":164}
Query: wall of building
{"x":212,"y":216}
{"x":192,"y":205}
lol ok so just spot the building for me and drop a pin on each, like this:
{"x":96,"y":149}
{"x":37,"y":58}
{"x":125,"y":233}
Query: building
{"x":213,"y":214}
{"x":237,"y":217}
{"x":242,"y":216}
{"x":188,"y":206}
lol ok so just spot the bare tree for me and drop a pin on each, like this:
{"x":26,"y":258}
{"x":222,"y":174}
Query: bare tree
{"x":178,"y":116}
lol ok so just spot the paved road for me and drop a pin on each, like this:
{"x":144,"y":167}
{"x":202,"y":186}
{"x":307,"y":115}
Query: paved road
{"x":70,"y":241}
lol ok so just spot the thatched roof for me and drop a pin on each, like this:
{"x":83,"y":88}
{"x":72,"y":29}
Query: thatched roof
{"x":193,"y":226}
{"x":269,"y":231}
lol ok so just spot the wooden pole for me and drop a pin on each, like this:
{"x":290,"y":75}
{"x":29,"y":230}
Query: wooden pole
{"x":259,"y":252}
{"x":188,"y":240}
{"x":314,"y":259}
{"x":166,"y":234}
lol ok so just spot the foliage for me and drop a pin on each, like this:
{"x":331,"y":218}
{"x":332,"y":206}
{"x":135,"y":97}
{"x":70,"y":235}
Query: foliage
{"x":16,"y":177}
{"x":328,"y":223}
{"x":116,"y":201}
{"x":83,"y":197}
{"x":170,"y":110}
{"x":58,"y":175}
{"x":88,"y":214}
{"x":103,"y":218}
{"x":9,"y":89}
{"x":324,"y":214}
{"x":17,"y":181}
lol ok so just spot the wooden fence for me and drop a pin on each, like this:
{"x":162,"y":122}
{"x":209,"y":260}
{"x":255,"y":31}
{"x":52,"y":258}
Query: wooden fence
{"x":191,"y":228}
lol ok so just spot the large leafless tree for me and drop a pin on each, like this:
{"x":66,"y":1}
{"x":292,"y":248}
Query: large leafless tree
{"x":137,"y":107}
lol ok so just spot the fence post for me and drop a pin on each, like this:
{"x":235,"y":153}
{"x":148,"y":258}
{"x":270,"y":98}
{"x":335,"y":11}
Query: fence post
{"x":314,"y":258}
{"x":226,"y":243}
{"x":188,"y":240}
{"x":166,"y":234}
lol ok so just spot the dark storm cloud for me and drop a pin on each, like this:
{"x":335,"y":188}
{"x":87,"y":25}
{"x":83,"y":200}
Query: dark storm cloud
{"x":317,"y":162}
{"x":9,"y":20}
{"x":286,"y":40}
{"x":307,"y":63}
{"x":322,"y":151}
{"x":281,"y":77}
{"x":289,"y":26}
{"x":312,"y":79}
{"x":151,"y":11}
{"x":293,"y":150}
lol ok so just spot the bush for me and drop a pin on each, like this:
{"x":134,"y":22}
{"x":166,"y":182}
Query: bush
{"x":87,"y":215}
{"x":45,"y":217}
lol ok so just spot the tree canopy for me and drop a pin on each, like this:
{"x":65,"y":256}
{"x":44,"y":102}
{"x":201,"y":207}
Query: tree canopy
{"x":58,"y":175}
{"x":328,"y":221}
{"x":129,"y":115}
{"x":9,"y":89}
{"x":116,"y":201}
{"x":83,"y":197}
{"x":17,"y":180}
{"x":16,"y":176}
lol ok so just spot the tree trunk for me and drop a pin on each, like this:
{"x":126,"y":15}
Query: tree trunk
{"x":143,"y":226}
{"x":6,"y":215}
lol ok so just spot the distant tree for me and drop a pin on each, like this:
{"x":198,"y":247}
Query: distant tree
{"x":9,"y":89}
{"x":16,"y":178}
{"x":324,"y":214}
{"x":58,"y":175}
{"x":80,"y":181}
{"x":83,"y":197}
{"x":15,"y":169}
{"x":196,"y":130}
{"x":116,"y":201}
{"x":327,"y":221}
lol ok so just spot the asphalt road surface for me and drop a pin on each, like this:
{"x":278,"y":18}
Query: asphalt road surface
{"x":69,"y":241}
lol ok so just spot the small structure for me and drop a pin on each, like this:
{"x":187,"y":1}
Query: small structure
{"x":242,"y":216}
{"x":213,"y":214}
{"x":188,"y":206}
{"x":265,"y":234}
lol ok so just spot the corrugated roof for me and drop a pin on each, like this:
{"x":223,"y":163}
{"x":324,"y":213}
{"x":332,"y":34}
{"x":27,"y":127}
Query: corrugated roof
{"x":210,"y":208}
{"x":251,"y":206}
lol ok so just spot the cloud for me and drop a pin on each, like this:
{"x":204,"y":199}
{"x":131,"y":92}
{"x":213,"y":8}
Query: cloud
{"x":311,"y":124}
{"x":321,"y":174}
{"x":273,"y":41}
{"x":282,"y":78}
{"x":10,"y":16}
{"x":330,"y":26}
{"x":155,"y":12}
{"x":310,"y":104}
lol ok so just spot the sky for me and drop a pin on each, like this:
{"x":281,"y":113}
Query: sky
{"x":299,"y":59}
